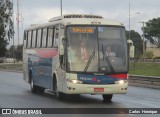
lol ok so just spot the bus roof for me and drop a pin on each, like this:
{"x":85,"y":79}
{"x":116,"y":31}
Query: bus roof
{"x":77,"y":19}
{"x":72,"y":16}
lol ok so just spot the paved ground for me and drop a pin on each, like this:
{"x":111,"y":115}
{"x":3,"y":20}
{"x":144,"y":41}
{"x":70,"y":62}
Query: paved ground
{"x":15,"y":93}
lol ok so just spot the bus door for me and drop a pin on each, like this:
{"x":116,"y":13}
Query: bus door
{"x":61,"y":68}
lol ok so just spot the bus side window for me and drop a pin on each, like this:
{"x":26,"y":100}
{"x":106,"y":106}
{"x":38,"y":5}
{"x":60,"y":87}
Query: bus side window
{"x":25,"y":39}
{"x":29,"y":39}
{"x":39,"y":33}
{"x":44,"y":37}
{"x":33,"y":38}
{"x":36,"y":38}
{"x":56,"y":36}
{"x":50,"y":37}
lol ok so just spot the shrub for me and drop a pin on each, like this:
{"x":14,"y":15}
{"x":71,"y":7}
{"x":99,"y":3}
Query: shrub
{"x":149,"y":54}
{"x":157,"y":57}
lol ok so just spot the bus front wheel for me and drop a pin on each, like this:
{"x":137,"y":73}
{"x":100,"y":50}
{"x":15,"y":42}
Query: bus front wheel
{"x":107,"y":97}
{"x":59,"y":95}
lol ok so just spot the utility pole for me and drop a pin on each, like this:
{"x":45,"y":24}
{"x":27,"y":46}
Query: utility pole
{"x":61,"y":6}
{"x":143,"y":23}
{"x":18,"y":19}
{"x":129,"y":20}
{"x":129,"y":41}
{"x":13,"y":51}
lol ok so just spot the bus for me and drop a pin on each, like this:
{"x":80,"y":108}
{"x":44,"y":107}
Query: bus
{"x":68,"y":55}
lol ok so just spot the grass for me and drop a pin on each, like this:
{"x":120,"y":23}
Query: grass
{"x":11,"y":66}
{"x":146,"y":69}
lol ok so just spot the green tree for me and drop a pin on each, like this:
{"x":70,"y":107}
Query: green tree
{"x":12,"y":50}
{"x":137,"y":42}
{"x":6,"y":25}
{"x":16,"y":52}
{"x":152,"y":31}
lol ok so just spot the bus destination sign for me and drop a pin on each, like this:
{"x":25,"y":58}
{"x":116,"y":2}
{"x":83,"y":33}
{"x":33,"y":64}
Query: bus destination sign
{"x":82,"y":30}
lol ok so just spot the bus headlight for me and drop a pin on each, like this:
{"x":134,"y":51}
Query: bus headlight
{"x":121,"y":82}
{"x":74,"y":81}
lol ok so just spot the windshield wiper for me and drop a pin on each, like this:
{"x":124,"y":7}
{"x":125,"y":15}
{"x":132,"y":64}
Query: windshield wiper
{"x":90,"y":59}
{"x":107,"y":59}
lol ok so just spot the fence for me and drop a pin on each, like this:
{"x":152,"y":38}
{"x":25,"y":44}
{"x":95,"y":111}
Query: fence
{"x":145,"y":60}
{"x":144,"y":81}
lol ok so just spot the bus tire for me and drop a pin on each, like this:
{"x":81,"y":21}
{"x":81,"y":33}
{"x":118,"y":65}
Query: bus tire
{"x":41,"y":90}
{"x":33,"y":87}
{"x":107,"y":97}
{"x":59,"y":95}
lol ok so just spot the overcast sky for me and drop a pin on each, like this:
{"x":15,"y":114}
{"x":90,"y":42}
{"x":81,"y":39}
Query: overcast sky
{"x":39,"y":11}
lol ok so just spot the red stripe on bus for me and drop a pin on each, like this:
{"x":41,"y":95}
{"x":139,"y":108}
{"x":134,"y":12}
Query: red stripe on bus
{"x":47,"y":53}
{"x":118,"y":76}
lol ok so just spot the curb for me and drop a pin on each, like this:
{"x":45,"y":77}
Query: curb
{"x":17,"y":71}
{"x":141,"y":76}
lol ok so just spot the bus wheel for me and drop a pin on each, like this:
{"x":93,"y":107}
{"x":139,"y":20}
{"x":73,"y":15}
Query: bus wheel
{"x":41,"y":90}
{"x":33,"y":87}
{"x":59,"y":95}
{"x":107,"y":97}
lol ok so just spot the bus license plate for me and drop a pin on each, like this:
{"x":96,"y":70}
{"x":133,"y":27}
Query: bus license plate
{"x":98,"y":89}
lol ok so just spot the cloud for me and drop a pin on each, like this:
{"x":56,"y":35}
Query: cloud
{"x":43,"y":15}
{"x":40,"y":11}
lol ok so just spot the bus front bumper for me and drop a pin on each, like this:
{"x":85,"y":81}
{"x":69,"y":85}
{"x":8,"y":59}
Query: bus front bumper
{"x":72,"y":88}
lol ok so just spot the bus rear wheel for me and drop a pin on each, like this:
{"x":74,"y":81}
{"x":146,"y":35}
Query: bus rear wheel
{"x":107,"y":97}
{"x":35,"y":88}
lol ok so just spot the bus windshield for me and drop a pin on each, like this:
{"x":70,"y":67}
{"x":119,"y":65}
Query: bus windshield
{"x":96,"y":49}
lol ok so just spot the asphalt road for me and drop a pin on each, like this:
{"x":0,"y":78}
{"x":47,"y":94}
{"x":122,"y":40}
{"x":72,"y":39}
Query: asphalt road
{"x":15,"y":93}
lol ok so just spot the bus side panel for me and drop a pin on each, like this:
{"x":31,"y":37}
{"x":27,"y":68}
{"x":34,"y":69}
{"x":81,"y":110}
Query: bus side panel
{"x":40,"y":62}
{"x":27,"y":59}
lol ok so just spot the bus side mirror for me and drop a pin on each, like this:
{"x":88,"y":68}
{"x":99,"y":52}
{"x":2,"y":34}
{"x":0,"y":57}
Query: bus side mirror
{"x":61,"y":50}
{"x":131,"y":48}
